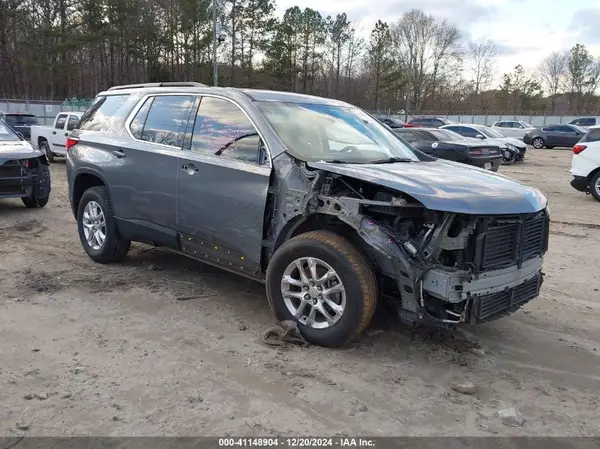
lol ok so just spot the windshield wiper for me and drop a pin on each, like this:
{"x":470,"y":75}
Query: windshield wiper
{"x":391,"y":160}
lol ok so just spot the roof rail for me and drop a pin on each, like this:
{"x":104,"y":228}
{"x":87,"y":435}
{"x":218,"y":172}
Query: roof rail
{"x":164,"y":84}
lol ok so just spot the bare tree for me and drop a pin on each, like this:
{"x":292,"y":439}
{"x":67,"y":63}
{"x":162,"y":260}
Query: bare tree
{"x":424,"y":47}
{"x":553,"y":71}
{"x":481,"y":57}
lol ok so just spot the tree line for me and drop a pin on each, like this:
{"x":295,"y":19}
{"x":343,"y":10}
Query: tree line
{"x":57,"y":49}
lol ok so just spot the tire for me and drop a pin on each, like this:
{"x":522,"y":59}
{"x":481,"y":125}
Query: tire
{"x":33,"y":201}
{"x":538,"y":143}
{"x":113,"y":247}
{"x":351,"y":268}
{"x":46,"y":149}
{"x":595,"y":185}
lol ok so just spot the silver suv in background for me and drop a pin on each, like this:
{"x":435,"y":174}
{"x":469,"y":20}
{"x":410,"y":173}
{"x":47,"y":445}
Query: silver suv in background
{"x":314,"y":197}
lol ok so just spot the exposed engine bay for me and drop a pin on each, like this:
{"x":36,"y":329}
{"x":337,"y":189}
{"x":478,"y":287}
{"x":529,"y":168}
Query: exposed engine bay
{"x":434,"y":267}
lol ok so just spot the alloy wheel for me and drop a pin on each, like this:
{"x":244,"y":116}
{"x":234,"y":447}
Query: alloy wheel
{"x":313,"y":292}
{"x":94,"y":225}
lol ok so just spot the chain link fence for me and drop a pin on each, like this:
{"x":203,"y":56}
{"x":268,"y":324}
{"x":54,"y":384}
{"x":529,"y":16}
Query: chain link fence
{"x":45,"y":111}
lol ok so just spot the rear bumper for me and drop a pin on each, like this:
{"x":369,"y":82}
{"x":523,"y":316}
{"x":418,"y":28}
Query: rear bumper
{"x":580,"y":183}
{"x":481,"y":162}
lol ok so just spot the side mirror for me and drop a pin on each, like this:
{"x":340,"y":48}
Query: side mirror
{"x":479,"y":136}
{"x":21,"y":136}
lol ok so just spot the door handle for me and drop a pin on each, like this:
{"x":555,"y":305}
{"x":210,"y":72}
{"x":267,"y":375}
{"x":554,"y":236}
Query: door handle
{"x":54,"y":132}
{"x":119,"y":154}
{"x":190,"y":169}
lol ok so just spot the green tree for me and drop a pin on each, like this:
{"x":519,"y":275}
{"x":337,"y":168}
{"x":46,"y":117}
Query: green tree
{"x":379,"y":57}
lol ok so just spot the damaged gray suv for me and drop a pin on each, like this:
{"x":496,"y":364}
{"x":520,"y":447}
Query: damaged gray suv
{"x":314,"y":197}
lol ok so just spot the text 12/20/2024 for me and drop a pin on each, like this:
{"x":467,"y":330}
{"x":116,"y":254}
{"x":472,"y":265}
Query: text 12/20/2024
{"x":296,"y":442}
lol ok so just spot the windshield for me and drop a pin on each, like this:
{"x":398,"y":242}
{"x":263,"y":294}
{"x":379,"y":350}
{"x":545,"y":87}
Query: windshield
{"x":322,"y":132}
{"x":7,"y":134}
{"x":446,"y":134}
{"x":527,"y":125}
{"x":489,"y":132}
{"x":580,"y":129}
{"x":20,"y":119}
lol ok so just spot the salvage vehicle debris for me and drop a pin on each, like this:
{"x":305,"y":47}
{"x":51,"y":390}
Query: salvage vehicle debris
{"x":313,"y":197}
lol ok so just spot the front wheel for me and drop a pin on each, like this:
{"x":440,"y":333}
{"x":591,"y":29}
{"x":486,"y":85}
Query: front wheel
{"x":538,"y":143}
{"x":321,"y":281}
{"x":33,"y":201}
{"x":595,"y":186}
{"x":98,"y":229}
{"x":46,"y":149}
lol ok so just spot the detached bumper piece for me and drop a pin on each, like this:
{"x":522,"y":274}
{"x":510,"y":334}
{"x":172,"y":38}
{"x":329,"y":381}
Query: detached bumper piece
{"x":497,"y":305}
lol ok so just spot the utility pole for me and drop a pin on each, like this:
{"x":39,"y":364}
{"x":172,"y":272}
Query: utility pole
{"x":215,"y":41}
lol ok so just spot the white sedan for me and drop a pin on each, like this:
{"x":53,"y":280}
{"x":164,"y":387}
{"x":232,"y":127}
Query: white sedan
{"x":490,"y":135}
{"x":513,"y":128}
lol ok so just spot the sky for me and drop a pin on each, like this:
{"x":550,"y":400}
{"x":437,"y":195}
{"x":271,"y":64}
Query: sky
{"x":525,"y":31}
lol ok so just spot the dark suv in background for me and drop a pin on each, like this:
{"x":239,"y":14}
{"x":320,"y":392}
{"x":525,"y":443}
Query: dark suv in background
{"x":20,"y":122}
{"x":314,"y":197}
{"x":427,"y":122}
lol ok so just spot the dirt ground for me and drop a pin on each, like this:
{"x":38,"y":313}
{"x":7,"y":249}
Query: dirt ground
{"x":162,"y":345}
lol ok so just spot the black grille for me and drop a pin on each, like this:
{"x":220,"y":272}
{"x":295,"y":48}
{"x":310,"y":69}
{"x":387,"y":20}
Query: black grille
{"x":495,"y":305}
{"x":512,"y":240}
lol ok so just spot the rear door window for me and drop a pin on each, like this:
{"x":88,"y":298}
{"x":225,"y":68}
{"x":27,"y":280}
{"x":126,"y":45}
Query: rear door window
{"x":99,"y":114}
{"x":165,"y":119}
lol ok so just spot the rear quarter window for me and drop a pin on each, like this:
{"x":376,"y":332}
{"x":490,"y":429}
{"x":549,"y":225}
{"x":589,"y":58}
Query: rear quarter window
{"x":100,"y":116}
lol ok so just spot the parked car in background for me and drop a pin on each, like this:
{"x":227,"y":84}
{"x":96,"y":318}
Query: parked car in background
{"x":551,"y":136}
{"x":427,"y":122}
{"x":491,"y":136}
{"x":513,"y":128}
{"x":585,"y":122}
{"x":312,"y":196}
{"x":24,"y":171}
{"x":51,"y":140}
{"x":21,"y":122}
{"x":449,"y":145}
{"x":585,"y":166}
{"x":391,"y":122}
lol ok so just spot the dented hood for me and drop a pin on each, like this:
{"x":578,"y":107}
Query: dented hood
{"x":17,"y":150}
{"x":447,"y":186}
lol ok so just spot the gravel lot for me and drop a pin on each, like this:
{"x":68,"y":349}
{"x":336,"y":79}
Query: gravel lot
{"x":162,"y":345}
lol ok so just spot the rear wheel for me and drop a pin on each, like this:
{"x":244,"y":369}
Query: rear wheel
{"x":46,"y":149}
{"x":321,"y":281}
{"x":595,"y":185}
{"x":538,"y":143}
{"x":98,"y":229}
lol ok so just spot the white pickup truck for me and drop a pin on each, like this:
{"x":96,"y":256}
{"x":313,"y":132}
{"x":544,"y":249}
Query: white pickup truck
{"x":52,"y":139}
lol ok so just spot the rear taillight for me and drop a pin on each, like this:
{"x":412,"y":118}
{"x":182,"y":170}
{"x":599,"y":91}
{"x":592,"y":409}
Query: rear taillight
{"x":578,"y":149}
{"x":479,"y":151}
{"x":70,"y":143}
{"x":410,"y":125}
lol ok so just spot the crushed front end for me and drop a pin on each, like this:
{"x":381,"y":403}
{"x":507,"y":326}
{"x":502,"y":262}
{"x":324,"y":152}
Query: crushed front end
{"x":484,"y":267}
{"x":437,"y":268}
{"x":23,"y":178}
